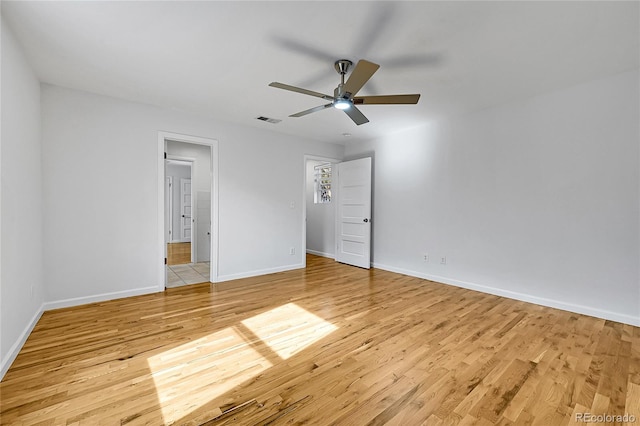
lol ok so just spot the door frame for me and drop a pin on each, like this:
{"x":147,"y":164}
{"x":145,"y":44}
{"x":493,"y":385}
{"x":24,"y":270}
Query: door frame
{"x":163,"y":137}
{"x":306,"y":158}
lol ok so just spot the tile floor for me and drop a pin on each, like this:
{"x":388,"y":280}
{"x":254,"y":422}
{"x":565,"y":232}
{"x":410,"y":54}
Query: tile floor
{"x":189,"y":273}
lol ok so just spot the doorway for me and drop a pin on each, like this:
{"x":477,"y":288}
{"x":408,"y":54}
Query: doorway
{"x":319,"y":208}
{"x":337,"y":209}
{"x":188,"y":253}
{"x":188,"y":219}
{"x":178,"y":217}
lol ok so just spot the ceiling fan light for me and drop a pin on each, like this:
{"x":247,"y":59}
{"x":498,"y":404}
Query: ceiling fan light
{"x":342,"y":104}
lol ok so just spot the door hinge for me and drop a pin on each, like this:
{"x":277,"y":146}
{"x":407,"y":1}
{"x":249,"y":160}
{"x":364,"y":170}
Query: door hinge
{"x":165,"y":260}
{"x":165,"y":155}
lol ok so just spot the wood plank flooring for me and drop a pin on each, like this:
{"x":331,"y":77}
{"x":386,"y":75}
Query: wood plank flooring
{"x":178,"y":253}
{"x":331,"y":344}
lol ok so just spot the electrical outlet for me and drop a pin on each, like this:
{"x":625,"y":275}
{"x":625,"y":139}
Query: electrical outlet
{"x":292,"y":250}
{"x":443,"y":260}
{"x":425,"y":257}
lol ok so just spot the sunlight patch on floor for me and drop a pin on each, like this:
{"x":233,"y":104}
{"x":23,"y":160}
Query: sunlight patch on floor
{"x":288,"y":329}
{"x":195,"y":373}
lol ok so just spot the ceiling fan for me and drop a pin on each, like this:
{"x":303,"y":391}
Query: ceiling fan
{"x":344,"y":95}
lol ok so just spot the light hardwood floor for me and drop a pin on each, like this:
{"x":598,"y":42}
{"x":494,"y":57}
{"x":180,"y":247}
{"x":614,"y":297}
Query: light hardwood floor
{"x":331,"y":344}
{"x":178,"y":253}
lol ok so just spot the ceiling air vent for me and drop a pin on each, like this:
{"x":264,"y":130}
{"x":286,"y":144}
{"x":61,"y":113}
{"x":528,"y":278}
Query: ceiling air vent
{"x":268,"y":120}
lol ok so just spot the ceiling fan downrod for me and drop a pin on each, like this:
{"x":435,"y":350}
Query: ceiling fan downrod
{"x":342,"y":67}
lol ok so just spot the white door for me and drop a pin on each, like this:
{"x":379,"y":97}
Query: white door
{"x":185,"y":210}
{"x":353,"y":226}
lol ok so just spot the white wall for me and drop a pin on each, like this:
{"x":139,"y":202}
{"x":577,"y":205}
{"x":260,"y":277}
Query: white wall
{"x":321,"y":237}
{"x":202,"y":191}
{"x":105,"y":251}
{"x":21,"y":274}
{"x":177,"y":172}
{"x":536,"y":200}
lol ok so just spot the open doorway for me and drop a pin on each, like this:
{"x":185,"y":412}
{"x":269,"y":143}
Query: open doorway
{"x":189,"y":241}
{"x":337,"y":209}
{"x":178,"y":217}
{"x":319,"y":206}
{"x":188,"y":249}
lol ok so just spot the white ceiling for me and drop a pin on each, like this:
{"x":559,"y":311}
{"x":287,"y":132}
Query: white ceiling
{"x":217,"y":58}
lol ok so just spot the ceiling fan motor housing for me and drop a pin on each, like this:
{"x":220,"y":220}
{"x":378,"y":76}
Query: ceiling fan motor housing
{"x":339,"y":92}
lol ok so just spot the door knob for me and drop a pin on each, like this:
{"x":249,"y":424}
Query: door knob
{"x":365,"y":220}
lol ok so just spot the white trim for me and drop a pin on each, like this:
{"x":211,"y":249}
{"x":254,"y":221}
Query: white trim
{"x":77,"y":301}
{"x":65,"y":303}
{"x":523,"y":297}
{"x":320,"y":253}
{"x":169,"y":209}
{"x":305,"y":159}
{"x":162,"y":252}
{"x":259,"y":272}
{"x":17,"y":346}
{"x":213,"y":252}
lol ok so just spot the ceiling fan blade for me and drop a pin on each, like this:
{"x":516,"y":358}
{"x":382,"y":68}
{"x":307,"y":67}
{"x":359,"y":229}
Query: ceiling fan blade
{"x":305,"y":49}
{"x":378,"y":25}
{"x":309,"y":111}
{"x":359,"y":76}
{"x":386,"y":99}
{"x":299,"y":90}
{"x":355,"y":114}
{"x":403,"y":61}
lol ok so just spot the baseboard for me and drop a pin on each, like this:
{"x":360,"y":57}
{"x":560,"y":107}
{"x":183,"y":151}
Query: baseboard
{"x":580,"y":309}
{"x":17,"y":346}
{"x":76,"y":301}
{"x":230,"y":277}
{"x":323,"y":254}
{"x":523,"y":297}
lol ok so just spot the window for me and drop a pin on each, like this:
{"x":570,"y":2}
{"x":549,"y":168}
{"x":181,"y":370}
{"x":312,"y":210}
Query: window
{"x":322,"y":182}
